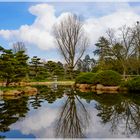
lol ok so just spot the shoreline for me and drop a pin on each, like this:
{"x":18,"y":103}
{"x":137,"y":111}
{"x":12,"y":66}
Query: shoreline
{"x":39,"y":83}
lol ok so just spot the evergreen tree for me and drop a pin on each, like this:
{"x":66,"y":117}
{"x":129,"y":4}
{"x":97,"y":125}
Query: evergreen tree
{"x":13,"y":67}
{"x":35,"y":66}
{"x":7,"y":63}
{"x":21,"y":67}
{"x":55,"y":68}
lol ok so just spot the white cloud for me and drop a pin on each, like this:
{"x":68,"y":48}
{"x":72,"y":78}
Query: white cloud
{"x":40,"y":32}
{"x":97,"y":27}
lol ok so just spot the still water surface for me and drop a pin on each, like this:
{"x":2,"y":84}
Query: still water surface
{"x":63,"y":112}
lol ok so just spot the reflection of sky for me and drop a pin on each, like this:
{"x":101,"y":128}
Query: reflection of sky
{"x":15,"y":134}
{"x":41,"y":122}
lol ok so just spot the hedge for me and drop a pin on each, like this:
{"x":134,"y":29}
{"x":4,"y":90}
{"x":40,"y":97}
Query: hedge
{"x":85,"y":78}
{"x":108,"y":78}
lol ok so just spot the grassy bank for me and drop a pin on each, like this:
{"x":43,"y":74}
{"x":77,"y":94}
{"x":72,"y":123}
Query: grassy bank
{"x":51,"y":82}
{"x":37,"y":83}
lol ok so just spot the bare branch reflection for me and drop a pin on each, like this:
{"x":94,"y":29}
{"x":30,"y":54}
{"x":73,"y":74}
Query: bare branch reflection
{"x":123,"y":117}
{"x":74,"y":117}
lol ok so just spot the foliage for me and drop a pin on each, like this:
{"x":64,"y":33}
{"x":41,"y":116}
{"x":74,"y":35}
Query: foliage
{"x":85,"y":78}
{"x":21,"y":67}
{"x":54,"y":68}
{"x":107,"y":78}
{"x":86,"y":64}
{"x":133,"y":84}
{"x":11,"y":111}
{"x":48,"y":93}
{"x":37,"y":69}
{"x":13,"y":66}
{"x":121,"y":47}
{"x":35,"y":65}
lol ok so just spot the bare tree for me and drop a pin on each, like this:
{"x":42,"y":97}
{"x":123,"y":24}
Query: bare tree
{"x":117,"y":45}
{"x":124,"y":113}
{"x":136,"y":42}
{"x":71,"y":40}
{"x":74,"y":117}
{"x":19,"y":46}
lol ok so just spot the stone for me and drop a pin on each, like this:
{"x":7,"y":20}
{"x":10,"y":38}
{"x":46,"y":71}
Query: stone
{"x":111,"y":88}
{"x":22,"y":83}
{"x":77,"y":85}
{"x":99,"y":92}
{"x":99,"y":87}
{"x":105,"y":91}
{"x":107,"y":88}
{"x":84,"y":86}
{"x":84,"y":90}
{"x":12,"y":93}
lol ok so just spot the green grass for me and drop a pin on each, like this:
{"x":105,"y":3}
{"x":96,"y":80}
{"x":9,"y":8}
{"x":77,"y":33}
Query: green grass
{"x":49,"y":80}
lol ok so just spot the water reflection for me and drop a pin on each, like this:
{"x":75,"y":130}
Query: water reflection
{"x":125,"y":112}
{"x":74,"y":117}
{"x":67,"y":113}
{"x":122,"y":115}
{"x":10,"y":111}
{"x":46,"y":93}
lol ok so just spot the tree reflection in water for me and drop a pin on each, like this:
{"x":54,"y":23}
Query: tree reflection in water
{"x":119,"y":112}
{"x":74,"y":118}
{"x":123,"y":115}
{"x":49,"y":94}
{"x":11,"y":110}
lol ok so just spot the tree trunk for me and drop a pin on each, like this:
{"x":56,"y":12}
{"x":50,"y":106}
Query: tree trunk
{"x":71,"y":72}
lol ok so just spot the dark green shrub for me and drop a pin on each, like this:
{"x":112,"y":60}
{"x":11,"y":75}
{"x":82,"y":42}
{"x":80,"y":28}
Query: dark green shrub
{"x":85,"y":78}
{"x":108,"y":78}
{"x":133,"y":84}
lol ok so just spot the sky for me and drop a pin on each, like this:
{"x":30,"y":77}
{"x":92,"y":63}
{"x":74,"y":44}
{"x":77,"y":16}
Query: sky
{"x":32,"y":23}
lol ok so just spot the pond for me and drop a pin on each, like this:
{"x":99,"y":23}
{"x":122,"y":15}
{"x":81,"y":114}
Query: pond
{"x":62,"y":112}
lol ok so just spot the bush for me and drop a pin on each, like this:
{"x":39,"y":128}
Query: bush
{"x":108,"y":78}
{"x":133,"y":84}
{"x":85,"y":78}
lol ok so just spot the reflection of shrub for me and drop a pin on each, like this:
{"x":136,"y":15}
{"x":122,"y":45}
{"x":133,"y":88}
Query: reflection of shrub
{"x":85,"y":78}
{"x":108,"y":78}
{"x":133,"y":84}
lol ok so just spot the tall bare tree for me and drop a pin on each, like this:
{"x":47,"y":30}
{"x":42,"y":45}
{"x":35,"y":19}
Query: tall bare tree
{"x":71,"y":40}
